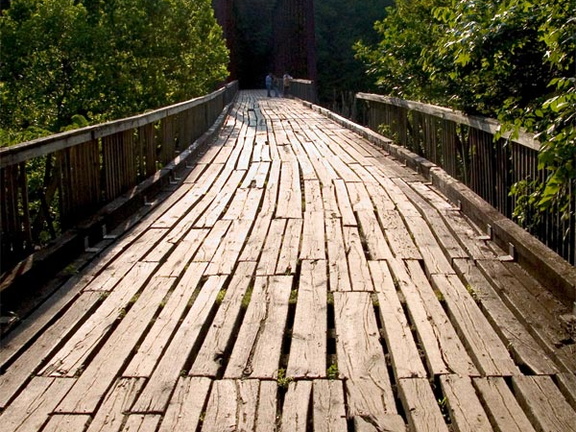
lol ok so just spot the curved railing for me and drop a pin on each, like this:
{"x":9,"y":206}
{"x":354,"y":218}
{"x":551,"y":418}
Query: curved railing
{"x":466,"y":148}
{"x":53,"y":184}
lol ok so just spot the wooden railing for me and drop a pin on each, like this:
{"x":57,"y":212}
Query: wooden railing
{"x":304,"y":89}
{"x":466,"y":148}
{"x":52,"y":184}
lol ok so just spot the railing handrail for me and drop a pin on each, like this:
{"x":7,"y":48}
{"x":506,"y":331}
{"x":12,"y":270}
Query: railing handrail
{"x":302,"y":81}
{"x":473,"y":150}
{"x":86,"y":180}
{"x":45,"y":145}
{"x":484,"y":124}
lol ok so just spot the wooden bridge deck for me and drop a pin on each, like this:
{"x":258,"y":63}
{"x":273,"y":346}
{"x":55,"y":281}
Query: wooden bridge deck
{"x":298,"y":279}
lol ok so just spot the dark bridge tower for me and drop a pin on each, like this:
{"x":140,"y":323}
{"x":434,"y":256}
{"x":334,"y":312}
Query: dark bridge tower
{"x":268,"y":35}
{"x":294,"y":39}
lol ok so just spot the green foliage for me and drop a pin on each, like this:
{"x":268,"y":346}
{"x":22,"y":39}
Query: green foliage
{"x":332,"y":372}
{"x":68,"y":63}
{"x":511,"y":59}
{"x":395,"y":63}
{"x":282,"y":380}
{"x":340,"y":24}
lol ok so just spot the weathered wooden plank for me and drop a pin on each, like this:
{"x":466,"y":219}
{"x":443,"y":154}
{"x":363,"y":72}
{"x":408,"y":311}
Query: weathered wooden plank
{"x":421,"y":406}
{"x":227,"y":254}
{"x":211,"y":242}
{"x":487,"y":349}
{"x":271,"y":250}
{"x":69,"y":360}
{"x":525,"y":349}
{"x":398,"y":236}
{"x":535,"y":308}
{"x":344,"y":203}
{"x":441,"y":232}
{"x":30,"y":327}
{"x":380,"y":198}
{"x":308,"y":348}
{"x":210,"y":191}
{"x":247,"y":148}
{"x":18,"y":373}
{"x":357,"y":263}
{"x":387,"y":422}
{"x":257,"y":348}
{"x":339,"y":275}
{"x":98,"y":375}
{"x":567,"y":384}
{"x":313,"y":239}
{"x":324,"y":170}
{"x":344,"y":172}
{"x":501,"y":405}
{"x":313,"y":196}
{"x":172,"y":216}
{"x":184,"y":344}
{"x":256,"y":176}
{"x":232,"y":406}
{"x":544,"y":403}
{"x":216,"y":208}
{"x":66,"y":423}
{"x":329,"y":201}
{"x":469,"y":235}
{"x":144,"y":360}
{"x":361,"y":358}
{"x":399,"y":340}
{"x":296,"y":404}
{"x":466,"y":411}
{"x":401,"y":201}
{"x":328,"y":407}
{"x":245,"y":205}
{"x":111,"y":414}
{"x":214,"y":173}
{"x":289,"y":194}
{"x":266,"y":414}
{"x":253,"y":245}
{"x":444,"y":351}
{"x":289,"y":252}
{"x":363,"y":171}
{"x":306,"y":165}
{"x":183,"y":253}
{"x":186,"y":405}
{"x":209,"y":359}
{"x":31,"y":409}
{"x":359,"y":197}
{"x":116,"y":270}
{"x":434,"y":259}
{"x":142,"y":423}
{"x":378,"y":247}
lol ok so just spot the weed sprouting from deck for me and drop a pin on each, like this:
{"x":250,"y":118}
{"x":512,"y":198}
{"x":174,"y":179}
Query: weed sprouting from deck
{"x":472,"y":293}
{"x":441,"y":399}
{"x":332,"y":372}
{"x":283,"y":380}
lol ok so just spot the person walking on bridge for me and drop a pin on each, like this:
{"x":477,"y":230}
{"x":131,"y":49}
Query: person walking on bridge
{"x":286,"y":80}
{"x":271,"y":84}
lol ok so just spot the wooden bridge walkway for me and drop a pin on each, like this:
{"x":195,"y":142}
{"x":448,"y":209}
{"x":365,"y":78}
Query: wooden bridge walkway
{"x":298,"y":279}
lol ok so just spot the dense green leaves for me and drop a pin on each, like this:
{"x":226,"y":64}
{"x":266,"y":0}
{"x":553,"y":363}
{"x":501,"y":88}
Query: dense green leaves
{"x":339,"y":24}
{"x":64,"y":60}
{"x":512,"y":59}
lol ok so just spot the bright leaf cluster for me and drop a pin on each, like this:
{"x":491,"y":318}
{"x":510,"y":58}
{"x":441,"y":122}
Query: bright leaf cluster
{"x":510,"y":59}
{"x":68,"y":62}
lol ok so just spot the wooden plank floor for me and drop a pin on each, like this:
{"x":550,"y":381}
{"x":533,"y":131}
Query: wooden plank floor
{"x":298,"y":279}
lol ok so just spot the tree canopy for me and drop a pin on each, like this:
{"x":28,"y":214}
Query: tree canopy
{"x":69,"y":62}
{"x":339,"y":24}
{"x":510,"y":59}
